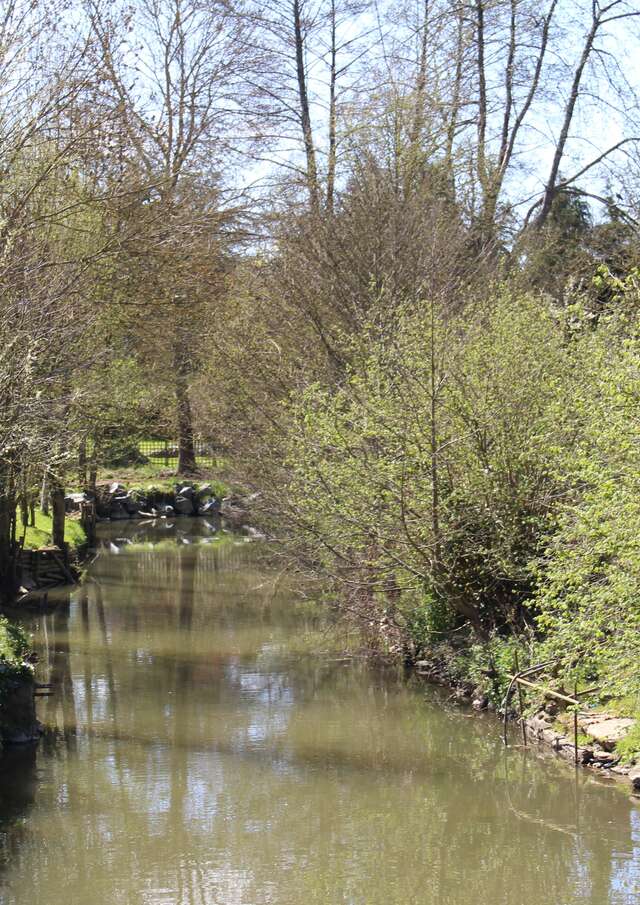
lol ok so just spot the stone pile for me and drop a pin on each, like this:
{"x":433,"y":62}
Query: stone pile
{"x":115,"y":502}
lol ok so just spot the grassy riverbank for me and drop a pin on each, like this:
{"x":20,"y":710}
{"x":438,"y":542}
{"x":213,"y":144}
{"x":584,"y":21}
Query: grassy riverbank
{"x":470,"y":490}
{"x":151,"y":475}
{"x":40,"y":534}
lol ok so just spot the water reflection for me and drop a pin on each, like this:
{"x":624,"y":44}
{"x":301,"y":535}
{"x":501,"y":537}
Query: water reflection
{"x":195,"y":756}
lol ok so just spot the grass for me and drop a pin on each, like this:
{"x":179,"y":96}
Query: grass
{"x":629,"y":747}
{"x":157,"y":476}
{"x":41,"y":534}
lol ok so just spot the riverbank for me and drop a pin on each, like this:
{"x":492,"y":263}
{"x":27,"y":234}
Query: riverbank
{"x":603,"y":739}
{"x":201,"y":714}
{"x":18,"y":723}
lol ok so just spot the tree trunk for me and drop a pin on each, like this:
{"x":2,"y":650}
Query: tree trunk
{"x":44,"y":493}
{"x":57,"y":513}
{"x":186,"y":447}
{"x":6,"y":559}
{"x":24,"y":510}
{"x":331,"y":164}
{"x":305,"y":115}
{"x":82,"y":464}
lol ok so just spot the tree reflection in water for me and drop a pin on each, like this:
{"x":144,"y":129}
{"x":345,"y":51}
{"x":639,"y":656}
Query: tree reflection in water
{"x":197,"y":754}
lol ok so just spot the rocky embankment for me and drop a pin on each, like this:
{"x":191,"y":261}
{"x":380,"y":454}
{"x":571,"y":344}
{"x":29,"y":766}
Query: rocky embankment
{"x":18,"y":722}
{"x":599,"y":733}
{"x":599,"y":736}
{"x":115,"y":502}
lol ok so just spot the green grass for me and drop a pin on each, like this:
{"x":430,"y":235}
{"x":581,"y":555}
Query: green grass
{"x":150,"y":475}
{"x":41,"y":534}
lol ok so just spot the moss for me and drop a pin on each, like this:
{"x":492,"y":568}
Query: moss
{"x":41,"y":534}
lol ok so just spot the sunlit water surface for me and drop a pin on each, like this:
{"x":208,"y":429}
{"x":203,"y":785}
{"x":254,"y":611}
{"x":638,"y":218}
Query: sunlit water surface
{"x":204,"y":747}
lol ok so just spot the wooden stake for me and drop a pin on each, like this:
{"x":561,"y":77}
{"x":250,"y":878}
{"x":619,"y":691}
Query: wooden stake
{"x":553,"y":694}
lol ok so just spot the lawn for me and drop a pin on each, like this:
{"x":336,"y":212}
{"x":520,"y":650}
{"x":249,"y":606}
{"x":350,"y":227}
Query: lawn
{"x":40,"y":535}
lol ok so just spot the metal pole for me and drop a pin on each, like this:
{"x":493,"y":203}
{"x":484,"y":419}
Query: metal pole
{"x":521,"y":701}
{"x":575,"y":724}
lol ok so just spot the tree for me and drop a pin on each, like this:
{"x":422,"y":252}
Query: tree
{"x":177,"y":70}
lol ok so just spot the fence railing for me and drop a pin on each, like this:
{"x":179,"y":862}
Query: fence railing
{"x":165,"y":452}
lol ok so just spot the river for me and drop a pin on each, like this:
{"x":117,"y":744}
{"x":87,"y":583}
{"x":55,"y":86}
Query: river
{"x":206,"y":745}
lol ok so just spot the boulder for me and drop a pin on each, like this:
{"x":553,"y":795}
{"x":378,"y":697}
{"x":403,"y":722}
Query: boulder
{"x":608,"y":731}
{"x":210,"y":507}
{"x":117,"y":511}
{"x":152,"y":513}
{"x":133,"y":506}
{"x":187,"y":492}
{"x":606,"y":758}
{"x":184,"y":505}
{"x":634,"y":779}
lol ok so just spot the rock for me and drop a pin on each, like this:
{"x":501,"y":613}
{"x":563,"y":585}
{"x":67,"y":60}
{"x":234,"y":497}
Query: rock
{"x":184,"y":505}
{"x":551,"y":708}
{"x":234,"y":508}
{"x":167,"y":511}
{"x":634,"y":778}
{"x":604,"y":757}
{"x":462,"y":696}
{"x":19,"y":723}
{"x":117,"y":511}
{"x":585,"y":755}
{"x":115,"y":487}
{"x":132,"y":506}
{"x":204,"y":491}
{"x":609,"y":730}
{"x":211,"y":507}
{"x":539,"y":723}
{"x":186,"y":492}
{"x":72,"y":501}
{"x":480,"y":703}
{"x":253,"y":533}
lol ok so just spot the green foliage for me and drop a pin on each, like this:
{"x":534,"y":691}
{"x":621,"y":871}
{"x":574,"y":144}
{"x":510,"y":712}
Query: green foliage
{"x":426,"y":619}
{"x":589,"y":576}
{"x":489,"y":665}
{"x":629,"y":747}
{"x":14,"y":649}
{"x":433,"y":464}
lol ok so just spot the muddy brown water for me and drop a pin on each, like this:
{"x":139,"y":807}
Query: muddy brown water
{"x":206,"y":746}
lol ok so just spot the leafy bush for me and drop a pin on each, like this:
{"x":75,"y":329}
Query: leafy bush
{"x":433,"y":464}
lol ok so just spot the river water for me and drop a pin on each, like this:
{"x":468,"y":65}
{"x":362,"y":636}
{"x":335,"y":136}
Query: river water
{"x":205,"y":744}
